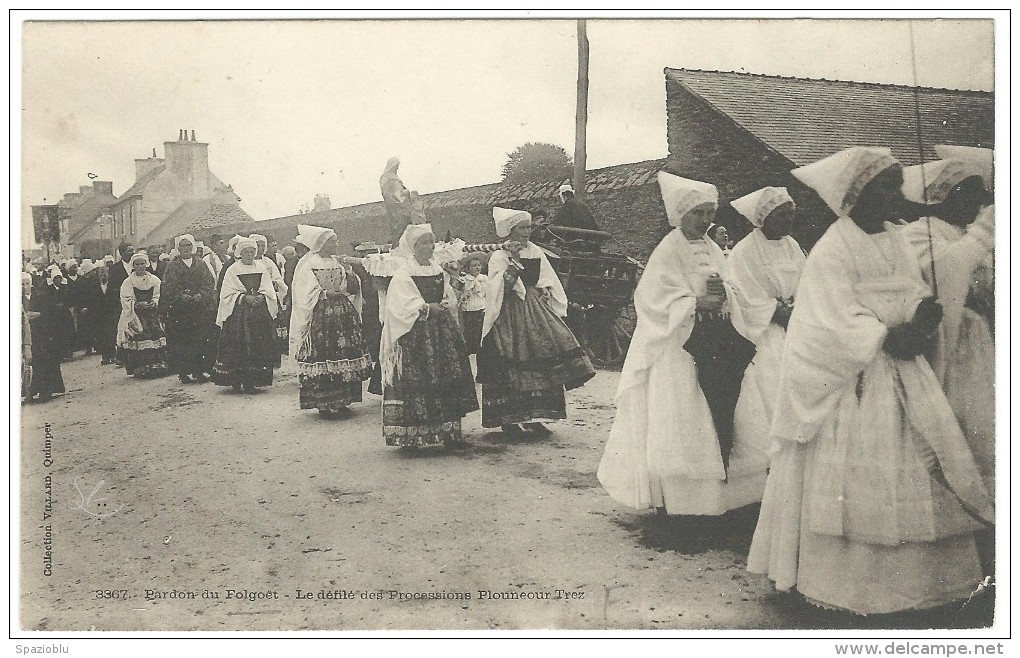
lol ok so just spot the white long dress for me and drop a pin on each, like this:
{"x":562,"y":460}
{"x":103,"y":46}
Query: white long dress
{"x":663,"y":450}
{"x":764,"y":272}
{"x":964,"y":357}
{"x":851,"y":515}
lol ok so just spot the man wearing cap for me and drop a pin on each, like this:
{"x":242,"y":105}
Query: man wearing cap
{"x":574,"y":213}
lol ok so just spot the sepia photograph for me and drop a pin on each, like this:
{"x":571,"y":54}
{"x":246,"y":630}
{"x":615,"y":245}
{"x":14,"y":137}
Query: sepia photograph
{"x":591,"y":325}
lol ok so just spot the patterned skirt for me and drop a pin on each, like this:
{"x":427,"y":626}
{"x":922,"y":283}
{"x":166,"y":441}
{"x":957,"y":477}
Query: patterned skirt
{"x":526,"y":361}
{"x":432,"y":388}
{"x":247,"y":350}
{"x":144,"y":354}
{"x":334,"y":361}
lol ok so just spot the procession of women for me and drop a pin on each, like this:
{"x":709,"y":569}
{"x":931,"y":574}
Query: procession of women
{"x":848,"y":391}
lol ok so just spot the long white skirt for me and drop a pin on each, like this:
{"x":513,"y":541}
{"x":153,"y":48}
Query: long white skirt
{"x":767,"y":358}
{"x":853,"y":519}
{"x":969,"y":386}
{"x":663,"y":450}
{"x":835,"y":572}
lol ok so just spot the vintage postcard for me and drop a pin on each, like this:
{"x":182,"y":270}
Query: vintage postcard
{"x":545,"y":324}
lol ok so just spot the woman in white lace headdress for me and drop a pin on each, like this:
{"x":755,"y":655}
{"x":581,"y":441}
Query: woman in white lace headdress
{"x":140,"y":335}
{"x":426,"y":374}
{"x":325,"y":335}
{"x":688,"y":437}
{"x":765,"y":267}
{"x":873,"y":495}
{"x":961,"y":223}
{"x":247,"y":351}
{"x":528,"y":356}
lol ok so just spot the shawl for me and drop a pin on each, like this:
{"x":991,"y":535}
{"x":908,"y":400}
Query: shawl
{"x":274,"y":273}
{"x":304,"y":295}
{"x":179,"y":279}
{"x":403,"y":306}
{"x":129,"y":322}
{"x":764,"y":271}
{"x":855,"y":286}
{"x":233,"y":288}
{"x":666,"y":300}
{"x":495,"y":285}
{"x":958,"y":252}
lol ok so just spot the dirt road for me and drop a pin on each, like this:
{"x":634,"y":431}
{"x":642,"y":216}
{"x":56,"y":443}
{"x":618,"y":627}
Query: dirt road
{"x":150,"y":505}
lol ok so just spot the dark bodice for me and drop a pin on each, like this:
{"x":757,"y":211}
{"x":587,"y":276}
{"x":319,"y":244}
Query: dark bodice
{"x":430,"y":287}
{"x":143,"y":295}
{"x":532,"y":267}
{"x":251,"y":282}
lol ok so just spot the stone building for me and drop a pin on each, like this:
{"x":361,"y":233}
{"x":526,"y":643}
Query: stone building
{"x":77,"y":212}
{"x":170,"y":193}
{"x":742,"y":131}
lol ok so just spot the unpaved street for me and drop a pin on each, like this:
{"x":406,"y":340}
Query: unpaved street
{"x":162,"y":497}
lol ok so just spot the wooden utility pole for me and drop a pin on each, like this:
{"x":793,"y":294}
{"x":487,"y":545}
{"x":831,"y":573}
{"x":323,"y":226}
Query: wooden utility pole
{"x":581,"y":129}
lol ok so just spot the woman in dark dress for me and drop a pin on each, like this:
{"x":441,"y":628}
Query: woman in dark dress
{"x":58,"y":285}
{"x":188,"y":307}
{"x":426,"y":375}
{"x":247,"y":350}
{"x":43,"y":315}
{"x":325,"y":328}
{"x":140,"y":336}
{"x":528,"y":356}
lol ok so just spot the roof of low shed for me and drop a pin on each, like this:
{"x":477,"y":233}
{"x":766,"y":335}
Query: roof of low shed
{"x":806,"y":119}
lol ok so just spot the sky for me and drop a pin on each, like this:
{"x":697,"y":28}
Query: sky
{"x":292,"y":109}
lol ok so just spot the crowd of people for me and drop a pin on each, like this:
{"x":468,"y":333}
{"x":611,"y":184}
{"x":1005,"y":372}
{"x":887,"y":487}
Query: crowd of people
{"x":403,"y":320}
{"x":848,"y":391}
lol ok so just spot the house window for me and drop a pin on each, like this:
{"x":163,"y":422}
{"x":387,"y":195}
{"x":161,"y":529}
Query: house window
{"x":131,"y":220}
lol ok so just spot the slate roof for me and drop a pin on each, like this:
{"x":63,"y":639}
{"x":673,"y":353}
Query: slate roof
{"x":805,"y":120}
{"x":191,"y":215}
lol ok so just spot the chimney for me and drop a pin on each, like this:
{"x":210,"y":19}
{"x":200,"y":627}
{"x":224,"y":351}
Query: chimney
{"x":180,"y":134}
{"x":103,"y":187}
{"x":321,"y":203}
{"x":71,"y":199}
{"x":193,"y":135}
{"x":142,"y":167}
{"x":188,"y":163}
{"x":153,"y":151}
